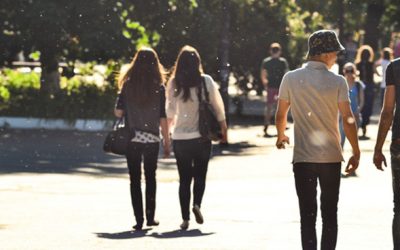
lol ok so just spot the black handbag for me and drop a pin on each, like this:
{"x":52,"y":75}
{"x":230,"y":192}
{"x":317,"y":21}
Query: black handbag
{"x":208,"y":124}
{"x":118,"y":139}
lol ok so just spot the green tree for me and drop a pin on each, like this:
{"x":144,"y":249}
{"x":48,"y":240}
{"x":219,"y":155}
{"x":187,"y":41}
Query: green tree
{"x":65,"y":30}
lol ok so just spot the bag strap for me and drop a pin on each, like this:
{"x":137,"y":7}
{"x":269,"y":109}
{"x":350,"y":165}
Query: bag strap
{"x":206,"y":94}
{"x":120,"y":122}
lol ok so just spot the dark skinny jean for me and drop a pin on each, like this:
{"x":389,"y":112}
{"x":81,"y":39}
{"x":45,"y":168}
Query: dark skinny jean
{"x":395,"y":162}
{"x":307,"y":176}
{"x":149,"y":153}
{"x":192,"y":158}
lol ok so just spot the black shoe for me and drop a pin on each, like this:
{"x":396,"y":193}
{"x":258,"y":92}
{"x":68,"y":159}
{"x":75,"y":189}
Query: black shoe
{"x":363,"y":138}
{"x":197,"y":214}
{"x":184,"y":225}
{"x":153,"y":223}
{"x":138,"y":227}
{"x":266,"y":135}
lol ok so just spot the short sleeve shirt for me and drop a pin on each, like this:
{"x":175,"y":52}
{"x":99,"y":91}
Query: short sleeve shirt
{"x":314,"y":93}
{"x":120,"y":102}
{"x":393,"y":80}
{"x":141,"y":136}
{"x":276,"y":68}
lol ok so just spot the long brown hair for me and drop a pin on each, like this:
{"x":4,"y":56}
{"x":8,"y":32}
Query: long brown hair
{"x":362,"y":51}
{"x":187,"y":71}
{"x":143,"y":78}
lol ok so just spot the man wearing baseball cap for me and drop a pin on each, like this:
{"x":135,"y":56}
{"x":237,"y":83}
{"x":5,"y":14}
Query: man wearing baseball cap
{"x":316,"y":96}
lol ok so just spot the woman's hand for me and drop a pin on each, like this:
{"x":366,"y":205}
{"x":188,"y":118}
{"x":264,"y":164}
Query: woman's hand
{"x":224,"y":131}
{"x":166,"y":147}
{"x":118,"y":113}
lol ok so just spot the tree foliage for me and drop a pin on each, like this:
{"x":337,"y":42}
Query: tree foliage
{"x":99,"y":30}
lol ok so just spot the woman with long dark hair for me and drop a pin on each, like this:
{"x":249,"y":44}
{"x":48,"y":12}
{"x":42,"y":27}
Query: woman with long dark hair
{"x":365,"y":65}
{"x":192,"y":152}
{"x":142,"y":102}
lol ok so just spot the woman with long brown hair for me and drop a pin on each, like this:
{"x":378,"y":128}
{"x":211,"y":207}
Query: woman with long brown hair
{"x":365,"y":65}
{"x":192,"y":152}
{"x":142,"y":102}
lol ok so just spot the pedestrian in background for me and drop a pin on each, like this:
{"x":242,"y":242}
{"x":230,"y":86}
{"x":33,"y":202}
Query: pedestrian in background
{"x":350,"y":48}
{"x":391,"y":105}
{"x":365,"y":65}
{"x":315,"y":96}
{"x":192,"y":152}
{"x":272,"y":70}
{"x":386,"y":57}
{"x":142,"y":102}
{"x":356,"y":94}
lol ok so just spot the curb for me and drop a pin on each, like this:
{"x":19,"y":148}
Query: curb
{"x":57,"y":124}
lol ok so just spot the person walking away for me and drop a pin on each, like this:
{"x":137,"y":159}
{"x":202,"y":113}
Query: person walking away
{"x":272,"y":70}
{"x":142,"y":102}
{"x":356,"y":94}
{"x":349,"y":54}
{"x":316,"y":96}
{"x":386,"y":57}
{"x":192,"y":152}
{"x":365,"y":65}
{"x":390,"y":116}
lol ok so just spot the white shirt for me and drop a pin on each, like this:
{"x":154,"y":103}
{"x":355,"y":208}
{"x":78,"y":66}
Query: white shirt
{"x":314,"y":93}
{"x":186,"y":114}
{"x":384,"y":64}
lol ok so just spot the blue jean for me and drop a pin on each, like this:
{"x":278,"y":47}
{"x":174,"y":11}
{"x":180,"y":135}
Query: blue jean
{"x":366,"y":111}
{"x":307,"y":176}
{"x":395,"y":162}
{"x":341,"y":128}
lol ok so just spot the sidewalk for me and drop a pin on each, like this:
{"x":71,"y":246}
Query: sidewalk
{"x":59,"y":191}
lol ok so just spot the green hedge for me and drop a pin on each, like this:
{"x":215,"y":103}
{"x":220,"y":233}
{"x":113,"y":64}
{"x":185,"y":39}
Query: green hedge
{"x":20,"y":96}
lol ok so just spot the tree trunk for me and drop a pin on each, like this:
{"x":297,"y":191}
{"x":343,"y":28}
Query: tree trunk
{"x":341,"y":19}
{"x":224,"y":54}
{"x":50,"y":77}
{"x":372,"y":31}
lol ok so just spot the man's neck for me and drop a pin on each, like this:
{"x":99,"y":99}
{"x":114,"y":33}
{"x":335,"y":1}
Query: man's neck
{"x":320,"y":61}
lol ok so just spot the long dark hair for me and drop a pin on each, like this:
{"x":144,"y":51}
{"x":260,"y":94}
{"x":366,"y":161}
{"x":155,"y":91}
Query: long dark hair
{"x":387,"y":53}
{"x":365,"y":53}
{"x":187,"y":71}
{"x":143,"y":78}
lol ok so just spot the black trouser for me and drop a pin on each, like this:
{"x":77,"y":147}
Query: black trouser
{"x":395,"y":162}
{"x":149,"y":152}
{"x":307,"y":176}
{"x":192,"y":158}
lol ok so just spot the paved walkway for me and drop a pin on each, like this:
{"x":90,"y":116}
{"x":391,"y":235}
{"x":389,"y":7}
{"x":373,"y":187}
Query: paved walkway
{"x":59,"y":191}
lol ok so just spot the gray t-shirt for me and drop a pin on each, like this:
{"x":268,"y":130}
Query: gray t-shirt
{"x":314,"y":93}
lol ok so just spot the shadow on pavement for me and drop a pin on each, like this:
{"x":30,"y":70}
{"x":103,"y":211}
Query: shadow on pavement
{"x":233,"y":149}
{"x":180,"y":233}
{"x":124,"y":235}
{"x":143,"y":233}
{"x":56,"y":151}
{"x":75,"y":152}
